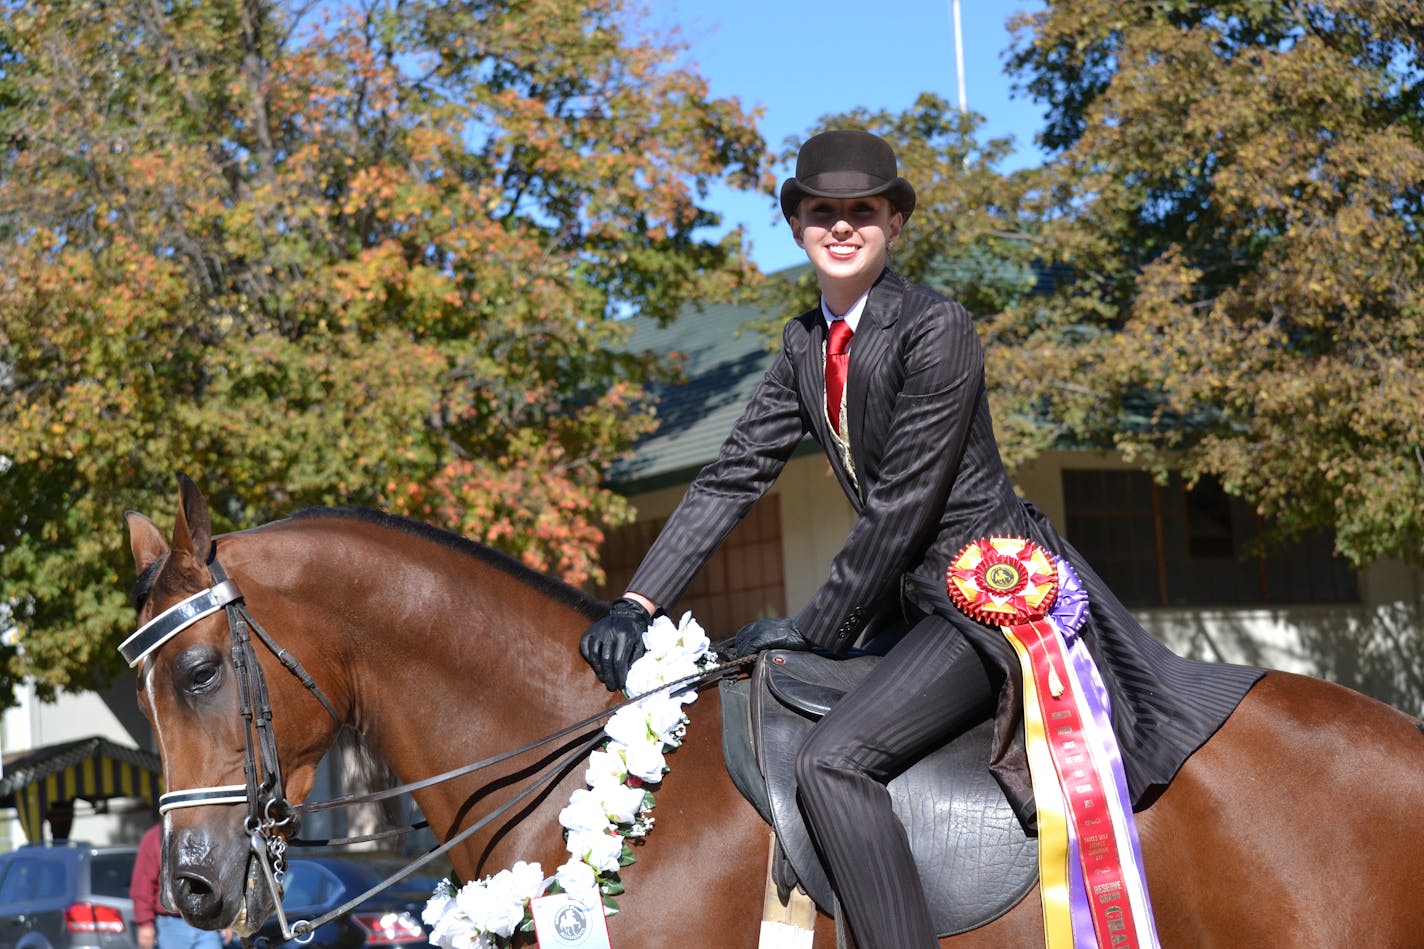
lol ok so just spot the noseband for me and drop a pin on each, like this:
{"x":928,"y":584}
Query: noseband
{"x":268,"y":810}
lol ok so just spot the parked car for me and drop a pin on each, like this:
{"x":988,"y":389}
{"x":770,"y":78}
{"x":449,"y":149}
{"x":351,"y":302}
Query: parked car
{"x":316,"y":884}
{"x":66,"y":895}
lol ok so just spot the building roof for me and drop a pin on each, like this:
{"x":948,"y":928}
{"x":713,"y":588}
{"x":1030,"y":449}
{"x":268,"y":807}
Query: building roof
{"x":723,"y":358}
{"x":36,"y":780}
{"x":35,"y":764}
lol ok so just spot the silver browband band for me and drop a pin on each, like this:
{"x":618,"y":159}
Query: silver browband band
{"x":175,"y":619}
{"x":227,"y":794}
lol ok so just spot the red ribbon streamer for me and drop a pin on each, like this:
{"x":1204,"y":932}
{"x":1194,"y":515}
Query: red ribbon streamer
{"x":1083,"y":791}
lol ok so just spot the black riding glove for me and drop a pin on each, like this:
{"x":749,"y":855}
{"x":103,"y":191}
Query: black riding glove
{"x":774,"y":633}
{"x":615,"y":642}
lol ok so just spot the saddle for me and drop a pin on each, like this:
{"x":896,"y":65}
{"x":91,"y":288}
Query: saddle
{"x":975,"y":861}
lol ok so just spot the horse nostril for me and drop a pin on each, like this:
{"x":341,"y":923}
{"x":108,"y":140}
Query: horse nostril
{"x":196,"y":896}
{"x":194,"y":885}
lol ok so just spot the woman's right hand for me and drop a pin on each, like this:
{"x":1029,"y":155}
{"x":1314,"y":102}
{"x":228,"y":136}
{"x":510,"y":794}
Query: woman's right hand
{"x":615,"y":642}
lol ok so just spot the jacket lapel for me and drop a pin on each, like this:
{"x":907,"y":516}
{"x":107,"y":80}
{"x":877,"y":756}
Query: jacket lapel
{"x":812,"y":383}
{"x":870,"y":347}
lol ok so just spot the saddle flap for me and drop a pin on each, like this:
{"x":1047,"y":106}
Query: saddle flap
{"x":807,"y":697}
{"x":974,"y":859}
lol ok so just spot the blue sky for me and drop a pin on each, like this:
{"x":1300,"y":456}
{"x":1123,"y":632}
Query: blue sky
{"x":799,"y":61}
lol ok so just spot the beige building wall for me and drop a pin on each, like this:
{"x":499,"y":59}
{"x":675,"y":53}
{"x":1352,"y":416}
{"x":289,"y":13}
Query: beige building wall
{"x":815,"y":518}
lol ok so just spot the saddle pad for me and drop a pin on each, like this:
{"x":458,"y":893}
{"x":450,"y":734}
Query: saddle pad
{"x":974,"y":859}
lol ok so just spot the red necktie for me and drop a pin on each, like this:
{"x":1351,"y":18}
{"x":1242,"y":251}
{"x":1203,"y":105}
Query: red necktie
{"x":837,"y":358}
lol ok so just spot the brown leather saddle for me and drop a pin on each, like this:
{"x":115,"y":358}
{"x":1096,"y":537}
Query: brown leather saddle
{"x":975,"y":861}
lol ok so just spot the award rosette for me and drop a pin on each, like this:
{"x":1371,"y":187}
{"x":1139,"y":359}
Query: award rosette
{"x":1092,"y":882}
{"x":1003,"y":581}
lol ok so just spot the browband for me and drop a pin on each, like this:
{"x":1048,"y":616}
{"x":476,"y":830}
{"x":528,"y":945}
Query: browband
{"x":175,"y":619}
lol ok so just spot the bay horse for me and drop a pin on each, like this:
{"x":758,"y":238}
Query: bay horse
{"x":1292,"y":827}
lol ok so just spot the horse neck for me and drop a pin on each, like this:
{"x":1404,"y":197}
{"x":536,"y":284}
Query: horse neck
{"x":441,"y":657}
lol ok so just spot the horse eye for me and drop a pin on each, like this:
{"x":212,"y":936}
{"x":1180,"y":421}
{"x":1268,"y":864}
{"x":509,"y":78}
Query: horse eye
{"x":198,"y":670}
{"x":203,"y":677}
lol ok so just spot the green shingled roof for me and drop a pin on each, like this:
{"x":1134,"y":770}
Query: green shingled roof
{"x":724,"y":359}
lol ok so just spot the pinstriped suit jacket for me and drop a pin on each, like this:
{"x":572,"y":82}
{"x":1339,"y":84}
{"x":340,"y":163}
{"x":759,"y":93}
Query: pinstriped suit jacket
{"x":925,"y":459}
{"x":928,"y":480}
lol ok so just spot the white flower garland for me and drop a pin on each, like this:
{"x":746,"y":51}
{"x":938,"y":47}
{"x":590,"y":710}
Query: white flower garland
{"x":599,"y":819}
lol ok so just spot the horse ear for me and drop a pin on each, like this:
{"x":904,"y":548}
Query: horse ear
{"x":145,"y":540}
{"x":193,"y":530}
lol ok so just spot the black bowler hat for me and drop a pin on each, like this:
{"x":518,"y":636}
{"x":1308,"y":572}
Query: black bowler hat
{"x":847,"y":164}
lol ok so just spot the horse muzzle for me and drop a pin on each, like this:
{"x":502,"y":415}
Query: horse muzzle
{"x":217,"y":885}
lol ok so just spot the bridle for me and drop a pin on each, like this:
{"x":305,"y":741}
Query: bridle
{"x":269,"y":813}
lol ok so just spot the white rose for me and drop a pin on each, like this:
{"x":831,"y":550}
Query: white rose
{"x":481,"y":905}
{"x":645,"y":678}
{"x":662,"y":717}
{"x":576,"y":877}
{"x":646,"y":761}
{"x":598,"y":849}
{"x":503,"y":905}
{"x":606,"y":767}
{"x":452,"y":929}
{"x":436,"y":906}
{"x":528,"y":879}
{"x":686,"y":639}
{"x":661,"y":639}
{"x":620,"y":802}
{"x":694,"y":637}
{"x":583,"y":813}
{"x":628,"y":726}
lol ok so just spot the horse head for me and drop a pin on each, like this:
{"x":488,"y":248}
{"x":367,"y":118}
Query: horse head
{"x":194,"y":688}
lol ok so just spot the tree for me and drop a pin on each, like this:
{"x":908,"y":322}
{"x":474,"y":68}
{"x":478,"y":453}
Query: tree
{"x":314,"y":254}
{"x":1236,"y":191}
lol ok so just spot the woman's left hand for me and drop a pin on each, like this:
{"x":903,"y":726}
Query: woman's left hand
{"x":776,"y":632}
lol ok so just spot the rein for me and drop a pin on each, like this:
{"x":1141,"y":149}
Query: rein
{"x":269,"y":812}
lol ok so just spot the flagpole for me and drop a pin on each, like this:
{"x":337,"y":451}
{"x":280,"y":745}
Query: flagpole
{"x":959,"y":54}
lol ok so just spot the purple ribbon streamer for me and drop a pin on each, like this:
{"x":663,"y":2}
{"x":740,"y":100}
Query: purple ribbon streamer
{"x":1079,"y":910}
{"x":1070,"y":608}
{"x":1069,"y":613}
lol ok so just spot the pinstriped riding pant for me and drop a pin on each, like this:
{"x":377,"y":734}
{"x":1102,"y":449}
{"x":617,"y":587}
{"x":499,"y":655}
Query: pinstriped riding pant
{"x":931,"y":686}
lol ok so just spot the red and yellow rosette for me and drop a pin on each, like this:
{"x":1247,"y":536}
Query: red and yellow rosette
{"x":1013,"y":583}
{"x":1003,"y":581}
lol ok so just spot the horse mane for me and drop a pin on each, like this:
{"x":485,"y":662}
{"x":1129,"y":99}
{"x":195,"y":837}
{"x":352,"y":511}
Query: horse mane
{"x":555,"y":589}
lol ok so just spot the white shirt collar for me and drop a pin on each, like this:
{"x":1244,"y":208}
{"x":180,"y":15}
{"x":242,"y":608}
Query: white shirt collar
{"x":852,"y":316}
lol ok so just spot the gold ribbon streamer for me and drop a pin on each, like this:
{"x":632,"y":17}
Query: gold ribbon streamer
{"x":1052,"y":814}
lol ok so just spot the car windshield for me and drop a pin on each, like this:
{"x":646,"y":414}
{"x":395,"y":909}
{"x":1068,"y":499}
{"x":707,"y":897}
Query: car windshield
{"x":308,"y":883}
{"x":423,"y":879}
{"x":110,"y":874}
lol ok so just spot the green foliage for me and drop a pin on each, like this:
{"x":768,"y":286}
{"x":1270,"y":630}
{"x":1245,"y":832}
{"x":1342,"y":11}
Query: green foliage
{"x":1236,"y":192}
{"x":323,"y":255}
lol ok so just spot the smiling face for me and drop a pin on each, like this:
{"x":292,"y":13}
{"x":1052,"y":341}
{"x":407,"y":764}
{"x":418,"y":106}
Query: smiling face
{"x":847,"y":240}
